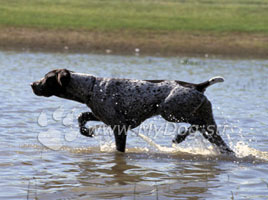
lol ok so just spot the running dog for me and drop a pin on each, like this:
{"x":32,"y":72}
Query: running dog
{"x":121,"y":103}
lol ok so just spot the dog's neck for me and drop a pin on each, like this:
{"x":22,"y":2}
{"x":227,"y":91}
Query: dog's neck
{"x":79,"y":88}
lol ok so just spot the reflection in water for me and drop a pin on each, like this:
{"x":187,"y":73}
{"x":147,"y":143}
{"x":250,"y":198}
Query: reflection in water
{"x":112,"y":175}
{"x":112,"y":168}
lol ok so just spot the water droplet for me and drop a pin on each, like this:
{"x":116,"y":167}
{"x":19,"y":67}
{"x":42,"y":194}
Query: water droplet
{"x":42,"y":119}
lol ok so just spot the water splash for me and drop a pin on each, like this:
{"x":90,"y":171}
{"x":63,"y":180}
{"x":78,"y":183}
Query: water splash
{"x":200,"y":149}
{"x":108,"y":146}
{"x":243,"y":150}
{"x":152,"y":143}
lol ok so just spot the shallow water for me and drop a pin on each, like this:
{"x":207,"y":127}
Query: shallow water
{"x":42,"y":155}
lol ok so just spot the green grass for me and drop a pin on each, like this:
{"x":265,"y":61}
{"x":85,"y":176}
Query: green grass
{"x":135,"y":15}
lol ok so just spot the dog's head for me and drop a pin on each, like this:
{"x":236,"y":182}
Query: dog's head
{"x":53,"y":83}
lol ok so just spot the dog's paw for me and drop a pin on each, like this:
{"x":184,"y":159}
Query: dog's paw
{"x":226,"y":150}
{"x":87,"y":132}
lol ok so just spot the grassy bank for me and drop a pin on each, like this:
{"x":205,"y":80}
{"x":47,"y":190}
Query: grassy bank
{"x":147,"y":24}
{"x":169,"y":15}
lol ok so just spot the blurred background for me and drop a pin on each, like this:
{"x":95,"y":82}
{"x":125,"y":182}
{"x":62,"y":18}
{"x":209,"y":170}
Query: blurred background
{"x":154,"y":27}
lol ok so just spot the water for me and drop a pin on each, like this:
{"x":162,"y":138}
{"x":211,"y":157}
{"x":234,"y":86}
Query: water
{"x":42,"y":155}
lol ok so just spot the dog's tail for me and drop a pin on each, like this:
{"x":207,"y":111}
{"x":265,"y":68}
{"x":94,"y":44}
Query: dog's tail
{"x":203,"y":86}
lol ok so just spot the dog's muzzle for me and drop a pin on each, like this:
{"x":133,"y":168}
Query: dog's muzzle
{"x":37,"y":89}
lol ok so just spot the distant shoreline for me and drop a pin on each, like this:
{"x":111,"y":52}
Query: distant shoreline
{"x":154,"y":43}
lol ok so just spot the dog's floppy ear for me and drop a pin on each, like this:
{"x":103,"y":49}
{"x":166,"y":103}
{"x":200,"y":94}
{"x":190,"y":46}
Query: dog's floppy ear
{"x":64,"y":77}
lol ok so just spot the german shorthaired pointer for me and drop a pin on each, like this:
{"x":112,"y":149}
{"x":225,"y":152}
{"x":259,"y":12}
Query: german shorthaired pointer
{"x":121,"y":103}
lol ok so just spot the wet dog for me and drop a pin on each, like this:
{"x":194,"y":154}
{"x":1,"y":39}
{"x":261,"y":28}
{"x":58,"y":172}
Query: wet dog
{"x":124,"y":104}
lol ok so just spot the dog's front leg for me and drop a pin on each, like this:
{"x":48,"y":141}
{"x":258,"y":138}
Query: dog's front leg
{"x":120,"y":134}
{"x":83,"y":119}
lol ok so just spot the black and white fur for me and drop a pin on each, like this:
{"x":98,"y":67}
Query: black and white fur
{"x":121,"y":103}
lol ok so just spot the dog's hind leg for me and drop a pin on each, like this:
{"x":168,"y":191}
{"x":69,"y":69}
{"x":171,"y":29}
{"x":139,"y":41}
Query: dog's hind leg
{"x":83,"y":119}
{"x":207,"y":126}
{"x":211,"y":133}
{"x":182,"y":136}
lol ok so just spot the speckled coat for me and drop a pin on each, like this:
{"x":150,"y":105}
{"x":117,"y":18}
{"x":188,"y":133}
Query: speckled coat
{"x":130,"y":102}
{"x":127,"y":102}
